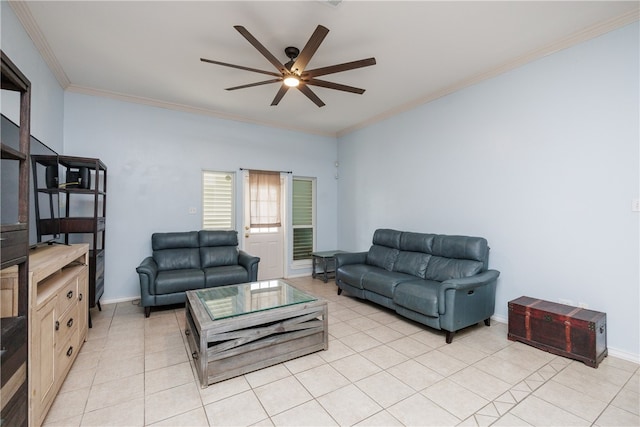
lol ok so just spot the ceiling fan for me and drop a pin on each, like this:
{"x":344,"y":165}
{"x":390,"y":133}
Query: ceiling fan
{"x":293,"y":73}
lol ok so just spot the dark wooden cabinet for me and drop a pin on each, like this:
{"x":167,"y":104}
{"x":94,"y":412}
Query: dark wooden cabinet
{"x":560,"y":329}
{"x":14,"y":254}
{"x":81,"y":187}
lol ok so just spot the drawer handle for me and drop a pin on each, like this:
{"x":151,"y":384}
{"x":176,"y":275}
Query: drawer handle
{"x":70,"y":351}
{"x":548,"y":318}
{"x":70,"y":323}
{"x":57,"y":325}
{"x":187,"y":332}
{"x":195,"y":355}
{"x":80,"y":297}
{"x":70,"y":294}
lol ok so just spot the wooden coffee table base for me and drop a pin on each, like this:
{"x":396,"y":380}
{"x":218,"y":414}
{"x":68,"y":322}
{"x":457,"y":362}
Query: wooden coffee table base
{"x":227,"y":348}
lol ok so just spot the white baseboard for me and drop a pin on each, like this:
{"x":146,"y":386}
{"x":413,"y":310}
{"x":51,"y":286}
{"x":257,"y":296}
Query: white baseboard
{"x":620,"y":354}
{"x":117,"y":300}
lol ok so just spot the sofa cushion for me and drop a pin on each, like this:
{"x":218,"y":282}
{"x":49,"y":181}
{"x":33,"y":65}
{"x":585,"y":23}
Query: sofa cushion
{"x":225,"y":275}
{"x":218,"y":255}
{"x":177,"y":259}
{"x":417,"y":242}
{"x":420,"y":296}
{"x":442,"y":269}
{"x":186,"y":239}
{"x":218,"y":238}
{"x":384,"y":282}
{"x":388,"y":238}
{"x":461,"y":247}
{"x":353,"y":274}
{"x":414,"y":263}
{"x":168,"y":282}
{"x":382,"y":256}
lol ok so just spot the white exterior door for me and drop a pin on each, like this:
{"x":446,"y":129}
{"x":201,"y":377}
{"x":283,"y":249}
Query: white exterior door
{"x":267,"y":246}
{"x":264,"y":242}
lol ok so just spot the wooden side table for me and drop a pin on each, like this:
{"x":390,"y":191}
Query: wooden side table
{"x":326,"y":260}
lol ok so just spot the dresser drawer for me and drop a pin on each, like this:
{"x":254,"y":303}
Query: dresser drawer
{"x":68,"y":295}
{"x":66,"y":354}
{"x":66,"y":324}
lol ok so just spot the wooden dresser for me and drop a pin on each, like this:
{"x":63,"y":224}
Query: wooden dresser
{"x":58,"y":295}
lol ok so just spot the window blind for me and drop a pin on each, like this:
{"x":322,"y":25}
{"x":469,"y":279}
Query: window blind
{"x":302,"y":218}
{"x":217,"y":200}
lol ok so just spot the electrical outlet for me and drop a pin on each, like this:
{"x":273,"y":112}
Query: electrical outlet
{"x":583,"y":305}
{"x":192,"y":210}
{"x":635,"y":205}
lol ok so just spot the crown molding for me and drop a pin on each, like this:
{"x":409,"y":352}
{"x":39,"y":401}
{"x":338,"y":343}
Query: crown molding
{"x":22,"y":11}
{"x":187,"y":109}
{"x":561,"y":44}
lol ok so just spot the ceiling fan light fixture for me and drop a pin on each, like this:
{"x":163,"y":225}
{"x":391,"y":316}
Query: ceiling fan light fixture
{"x":291,"y":81}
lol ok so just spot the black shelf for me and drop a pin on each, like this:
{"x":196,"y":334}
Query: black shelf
{"x":14,"y":250}
{"x":88,"y":227}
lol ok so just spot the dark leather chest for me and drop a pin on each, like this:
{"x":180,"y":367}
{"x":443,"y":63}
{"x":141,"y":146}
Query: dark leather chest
{"x":573,"y":332}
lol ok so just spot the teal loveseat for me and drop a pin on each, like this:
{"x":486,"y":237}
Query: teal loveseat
{"x":184,"y":261}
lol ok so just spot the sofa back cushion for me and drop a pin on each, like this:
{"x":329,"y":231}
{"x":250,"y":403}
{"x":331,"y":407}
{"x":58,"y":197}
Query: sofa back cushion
{"x":462,"y":247}
{"x":455,"y":257}
{"x":217,"y":238}
{"x":177,"y":259}
{"x":186,"y":239}
{"x":218,"y":248}
{"x":218,"y":256}
{"x":417,"y":242}
{"x":414,"y":263}
{"x":442,"y":269}
{"x":388,"y":238}
{"x":176,"y":251}
{"x":382,"y":256}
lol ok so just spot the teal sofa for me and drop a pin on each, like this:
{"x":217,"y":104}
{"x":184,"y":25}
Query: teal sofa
{"x":440,"y":281}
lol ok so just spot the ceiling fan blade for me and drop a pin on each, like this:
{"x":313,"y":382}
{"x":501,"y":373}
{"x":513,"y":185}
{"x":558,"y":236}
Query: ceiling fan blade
{"x":254,"y":84}
{"x":310,"y":48}
{"x":240,"y":67}
{"x":263,"y":50}
{"x":309,"y":93}
{"x":340,"y":67}
{"x":283,"y":89}
{"x":336,"y":86}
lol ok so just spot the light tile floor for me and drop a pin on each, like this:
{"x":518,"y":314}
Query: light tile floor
{"x":380,"y":370}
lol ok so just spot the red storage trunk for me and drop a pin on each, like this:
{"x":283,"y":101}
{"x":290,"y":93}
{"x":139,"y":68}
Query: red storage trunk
{"x":560,"y":329}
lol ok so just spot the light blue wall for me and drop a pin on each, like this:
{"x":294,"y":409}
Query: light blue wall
{"x":155,"y":159}
{"x":543,"y":161}
{"x":47,"y":97}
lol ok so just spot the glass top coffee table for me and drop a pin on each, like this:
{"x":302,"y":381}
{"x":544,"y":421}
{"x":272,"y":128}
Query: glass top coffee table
{"x":236,"y":329}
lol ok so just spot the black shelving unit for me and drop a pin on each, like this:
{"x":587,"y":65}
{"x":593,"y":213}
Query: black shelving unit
{"x":81,"y":186}
{"x":14,"y":254}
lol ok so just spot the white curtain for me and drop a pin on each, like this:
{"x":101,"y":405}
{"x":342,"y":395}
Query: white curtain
{"x":264,"y":194}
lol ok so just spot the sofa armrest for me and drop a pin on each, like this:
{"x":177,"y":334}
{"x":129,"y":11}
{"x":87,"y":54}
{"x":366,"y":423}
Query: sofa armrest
{"x":346,"y":258}
{"x":147,"y":272}
{"x":250,"y":263}
{"x":465,"y":284}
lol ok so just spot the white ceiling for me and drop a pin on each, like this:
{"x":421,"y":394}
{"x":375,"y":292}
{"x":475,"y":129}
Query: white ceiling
{"x":149,"y":51}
